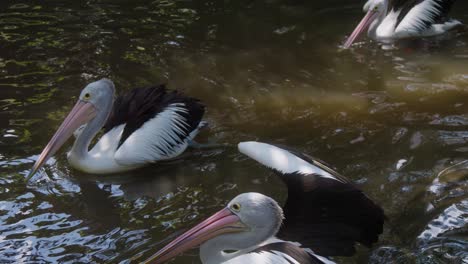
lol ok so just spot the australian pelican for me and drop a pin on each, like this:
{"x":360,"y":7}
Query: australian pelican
{"x":388,"y":20}
{"x":325,"y":213}
{"x":142,"y":126}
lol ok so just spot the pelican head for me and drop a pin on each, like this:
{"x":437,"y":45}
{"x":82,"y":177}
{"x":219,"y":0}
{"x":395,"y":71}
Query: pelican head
{"x":246,"y":221}
{"x":375,"y":11}
{"x":92,"y":109}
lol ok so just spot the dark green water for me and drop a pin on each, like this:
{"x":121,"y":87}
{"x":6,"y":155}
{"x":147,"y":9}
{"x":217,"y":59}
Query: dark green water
{"x":267,"y":70}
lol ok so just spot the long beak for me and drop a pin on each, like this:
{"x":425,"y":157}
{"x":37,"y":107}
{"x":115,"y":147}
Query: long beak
{"x":81,"y":113}
{"x":221,"y":222}
{"x":363,"y":25}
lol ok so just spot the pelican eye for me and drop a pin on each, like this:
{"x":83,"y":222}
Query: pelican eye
{"x":376,"y":8}
{"x":87,"y":96}
{"x":236,"y":207}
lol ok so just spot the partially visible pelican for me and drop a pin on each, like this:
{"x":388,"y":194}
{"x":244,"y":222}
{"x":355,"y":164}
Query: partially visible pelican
{"x":388,"y":20}
{"x":324,"y":212}
{"x":142,"y":126}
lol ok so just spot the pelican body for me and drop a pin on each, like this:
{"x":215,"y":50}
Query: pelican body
{"x":140,"y":127}
{"x":325,"y":213}
{"x":389,"y":20}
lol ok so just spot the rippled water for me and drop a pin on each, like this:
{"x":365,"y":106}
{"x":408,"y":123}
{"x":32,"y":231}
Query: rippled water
{"x":394,"y":121}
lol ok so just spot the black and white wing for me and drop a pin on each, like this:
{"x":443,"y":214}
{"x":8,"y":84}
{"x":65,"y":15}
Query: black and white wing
{"x":157,"y":124}
{"x":324,"y":211}
{"x":281,"y":252}
{"x":417,"y":16}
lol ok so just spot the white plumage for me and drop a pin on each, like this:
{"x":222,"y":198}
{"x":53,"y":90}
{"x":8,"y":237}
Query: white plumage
{"x":264,"y":257}
{"x":101,"y":158}
{"x":280,"y":159}
{"x":386,"y":29}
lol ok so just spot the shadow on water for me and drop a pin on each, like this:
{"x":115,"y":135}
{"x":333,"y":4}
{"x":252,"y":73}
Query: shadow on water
{"x":392,"y":120}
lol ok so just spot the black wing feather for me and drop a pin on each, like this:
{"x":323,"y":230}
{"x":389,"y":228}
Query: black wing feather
{"x":329,"y":216}
{"x":142,"y":104}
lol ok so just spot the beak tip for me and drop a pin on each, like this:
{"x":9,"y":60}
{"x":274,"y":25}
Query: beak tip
{"x":30,"y":174}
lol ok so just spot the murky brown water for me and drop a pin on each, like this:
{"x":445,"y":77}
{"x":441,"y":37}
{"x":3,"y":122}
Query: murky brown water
{"x":267,"y":70}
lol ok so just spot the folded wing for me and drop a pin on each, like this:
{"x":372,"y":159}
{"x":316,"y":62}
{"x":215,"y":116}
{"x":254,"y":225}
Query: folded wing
{"x":158,"y":124}
{"x":416,"y":16}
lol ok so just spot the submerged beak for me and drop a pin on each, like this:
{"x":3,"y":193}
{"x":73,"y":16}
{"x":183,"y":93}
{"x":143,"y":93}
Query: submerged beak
{"x":363,"y":25}
{"x":222,"y":222}
{"x":81,"y":113}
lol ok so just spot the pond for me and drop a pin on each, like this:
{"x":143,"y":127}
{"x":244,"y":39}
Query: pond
{"x":393,"y":121}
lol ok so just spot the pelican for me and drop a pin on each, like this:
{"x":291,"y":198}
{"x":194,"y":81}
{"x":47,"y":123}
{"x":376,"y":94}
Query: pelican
{"x":325,"y":214}
{"x":142,"y":126}
{"x":388,"y":20}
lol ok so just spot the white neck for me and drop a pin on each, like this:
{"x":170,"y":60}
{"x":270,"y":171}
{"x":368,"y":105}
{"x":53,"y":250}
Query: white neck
{"x":372,"y":32}
{"x":79,"y":154}
{"x":80,"y":148}
{"x":215,"y":251}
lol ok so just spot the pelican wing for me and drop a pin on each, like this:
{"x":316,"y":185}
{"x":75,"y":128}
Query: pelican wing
{"x":281,"y":252}
{"x":329,"y":216}
{"x":324,"y":211}
{"x":288,"y":161}
{"x":416,"y":16}
{"x":158,"y":124}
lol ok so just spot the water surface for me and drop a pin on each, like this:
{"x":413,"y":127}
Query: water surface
{"x":393,"y":121}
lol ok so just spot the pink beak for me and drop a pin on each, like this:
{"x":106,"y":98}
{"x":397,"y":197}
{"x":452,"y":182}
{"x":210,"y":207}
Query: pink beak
{"x":221,"y":222}
{"x":81,"y":114}
{"x":363,"y":25}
